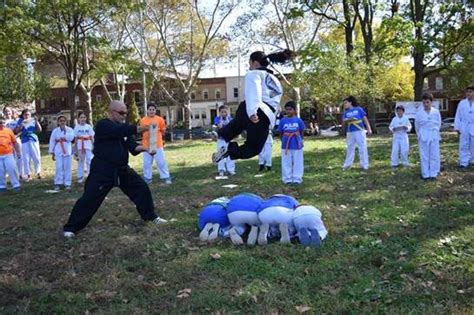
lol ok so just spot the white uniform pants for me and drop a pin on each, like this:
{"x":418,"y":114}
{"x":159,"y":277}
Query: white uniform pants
{"x":265,"y":157}
{"x":400,"y":148}
{"x":466,"y":149}
{"x":31,"y":152}
{"x":292,"y":166}
{"x":63,"y":174}
{"x":8,"y":166}
{"x":84,"y":163}
{"x":353,"y":139}
{"x":225,"y":164}
{"x":19,"y":161}
{"x":159,"y":157}
{"x":429,"y":158}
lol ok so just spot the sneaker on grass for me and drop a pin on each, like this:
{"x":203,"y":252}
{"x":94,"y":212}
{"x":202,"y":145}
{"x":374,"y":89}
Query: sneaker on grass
{"x":159,"y":221}
{"x":220,"y":154}
{"x":69,"y":235}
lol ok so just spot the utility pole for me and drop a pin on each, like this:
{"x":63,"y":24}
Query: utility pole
{"x":142,"y":52}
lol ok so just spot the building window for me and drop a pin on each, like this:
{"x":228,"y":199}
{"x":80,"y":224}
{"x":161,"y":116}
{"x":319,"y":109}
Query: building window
{"x":136,"y":96}
{"x":203,"y":114}
{"x":443,"y":104}
{"x":218,"y":94}
{"x":381,"y":108}
{"x":439,"y":83}
{"x":236,"y":92}
{"x":42,"y":103}
{"x":76,"y":101}
{"x":205,"y":94}
{"x":425,"y":84}
{"x":98,"y":98}
{"x":193,"y":95}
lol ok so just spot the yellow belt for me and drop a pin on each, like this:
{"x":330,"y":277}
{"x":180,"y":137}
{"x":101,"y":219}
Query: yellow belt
{"x":356,"y":123}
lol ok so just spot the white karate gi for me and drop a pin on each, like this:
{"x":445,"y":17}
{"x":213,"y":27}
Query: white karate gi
{"x":226,"y":164}
{"x":84,"y":135}
{"x":60,"y":145}
{"x":464,"y":123}
{"x":427,"y":128}
{"x":400,"y":144}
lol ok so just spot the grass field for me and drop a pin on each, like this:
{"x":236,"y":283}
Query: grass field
{"x":396,"y":244}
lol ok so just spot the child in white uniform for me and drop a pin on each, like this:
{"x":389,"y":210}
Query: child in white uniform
{"x":60,"y":148}
{"x":12,"y":123}
{"x":400,"y":126}
{"x":464,"y":124}
{"x":84,"y":135}
{"x":427,"y":124}
{"x":226,"y":164}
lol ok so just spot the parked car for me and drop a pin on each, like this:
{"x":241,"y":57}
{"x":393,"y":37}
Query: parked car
{"x":382,"y":128}
{"x":332,"y":131}
{"x":447,"y":124}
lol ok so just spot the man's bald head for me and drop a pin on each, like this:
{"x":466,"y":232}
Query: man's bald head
{"x":117,"y":111}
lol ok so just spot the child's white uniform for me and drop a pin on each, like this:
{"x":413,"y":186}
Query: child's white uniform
{"x":225,"y":164}
{"x":84,"y":135}
{"x":427,"y":128}
{"x":265,"y":157}
{"x":464,"y":123}
{"x":60,"y":144}
{"x":292,"y":162}
{"x":400,"y":144}
{"x":12,"y":124}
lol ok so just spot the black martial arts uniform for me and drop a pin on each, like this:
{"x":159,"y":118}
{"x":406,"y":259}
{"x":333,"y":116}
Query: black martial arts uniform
{"x":109,"y":168}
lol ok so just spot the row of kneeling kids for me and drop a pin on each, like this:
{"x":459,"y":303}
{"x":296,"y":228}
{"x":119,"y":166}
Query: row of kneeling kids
{"x":279,"y":217}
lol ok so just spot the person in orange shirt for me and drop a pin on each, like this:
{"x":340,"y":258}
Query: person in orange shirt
{"x":159,"y":154}
{"x":8,"y":146}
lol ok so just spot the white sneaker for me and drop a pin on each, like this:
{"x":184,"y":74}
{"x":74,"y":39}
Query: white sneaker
{"x":262,"y":235}
{"x":219,"y":155}
{"x":159,"y":221}
{"x":69,"y":235}
{"x":285,"y":234}
{"x":204,"y":235}
{"x":215,"y":232}
{"x":252,"y":238}
{"x":235,"y":237}
{"x":168,"y":181}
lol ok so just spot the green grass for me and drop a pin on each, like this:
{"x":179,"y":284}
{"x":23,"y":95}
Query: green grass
{"x":396,"y":244}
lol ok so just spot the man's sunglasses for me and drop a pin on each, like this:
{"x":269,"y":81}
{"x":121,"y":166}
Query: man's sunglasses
{"x":121,"y":113}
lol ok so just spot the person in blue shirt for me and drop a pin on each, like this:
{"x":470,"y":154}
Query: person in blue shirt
{"x":291,"y":128}
{"x":357,"y":126}
{"x":28,"y":126}
{"x":226,"y":164}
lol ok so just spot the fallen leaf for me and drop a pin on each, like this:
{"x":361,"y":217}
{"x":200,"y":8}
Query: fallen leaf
{"x":184,"y":293}
{"x":216,"y":256}
{"x":302,"y":309}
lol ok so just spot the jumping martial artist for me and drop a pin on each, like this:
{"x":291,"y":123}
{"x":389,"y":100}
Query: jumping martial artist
{"x":256,"y":114}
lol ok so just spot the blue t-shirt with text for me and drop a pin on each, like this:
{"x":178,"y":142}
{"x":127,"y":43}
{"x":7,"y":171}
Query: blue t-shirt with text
{"x":291,"y":133}
{"x":357,"y":113}
{"x":218,"y":119}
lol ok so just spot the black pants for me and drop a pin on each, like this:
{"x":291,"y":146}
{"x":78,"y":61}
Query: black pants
{"x":257,"y":133}
{"x":101,"y":180}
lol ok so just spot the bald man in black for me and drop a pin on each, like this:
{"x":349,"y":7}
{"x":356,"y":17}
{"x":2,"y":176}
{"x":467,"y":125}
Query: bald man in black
{"x":113,"y":140}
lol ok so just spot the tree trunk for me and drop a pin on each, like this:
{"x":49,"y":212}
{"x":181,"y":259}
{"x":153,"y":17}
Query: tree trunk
{"x":348,"y":27}
{"x":88,"y":94}
{"x":419,"y":68}
{"x":187,"y":117}
{"x":296,"y":94}
{"x":71,"y":99}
